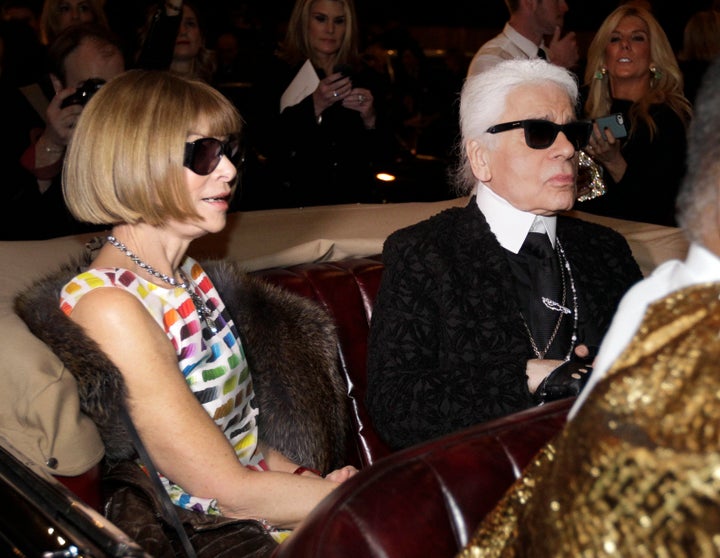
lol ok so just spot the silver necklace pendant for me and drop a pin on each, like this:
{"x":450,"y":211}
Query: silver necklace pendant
{"x":555,"y":306}
{"x":203,"y":312}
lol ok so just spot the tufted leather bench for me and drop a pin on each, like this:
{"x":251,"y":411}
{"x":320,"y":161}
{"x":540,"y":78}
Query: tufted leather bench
{"x":422,"y":501}
{"x":347,"y":290}
{"x":426,"y":500}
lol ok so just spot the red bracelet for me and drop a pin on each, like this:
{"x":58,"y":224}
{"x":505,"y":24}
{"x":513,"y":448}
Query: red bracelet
{"x":300,"y":470}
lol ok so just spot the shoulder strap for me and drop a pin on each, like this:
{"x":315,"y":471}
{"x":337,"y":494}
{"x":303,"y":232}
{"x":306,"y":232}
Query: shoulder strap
{"x":168,"y":506}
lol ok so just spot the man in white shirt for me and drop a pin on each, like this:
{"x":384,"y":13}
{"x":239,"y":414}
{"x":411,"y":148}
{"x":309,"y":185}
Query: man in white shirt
{"x":699,"y":216}
{"x":523,"y":36}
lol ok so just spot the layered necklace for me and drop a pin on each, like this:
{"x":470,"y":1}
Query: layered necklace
{"x":204,"y":313}
{"x":558,"y":307}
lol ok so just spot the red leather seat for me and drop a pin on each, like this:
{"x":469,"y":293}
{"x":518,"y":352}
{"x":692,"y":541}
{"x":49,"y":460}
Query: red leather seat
{"x":347,"y":289}
{"x":426,"y":500}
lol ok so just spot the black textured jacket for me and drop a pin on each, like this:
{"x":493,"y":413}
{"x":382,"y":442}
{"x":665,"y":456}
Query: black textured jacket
{"x":447,"y":345}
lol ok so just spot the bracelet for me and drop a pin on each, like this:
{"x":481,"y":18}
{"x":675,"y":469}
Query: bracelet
{"x":300,"y":470}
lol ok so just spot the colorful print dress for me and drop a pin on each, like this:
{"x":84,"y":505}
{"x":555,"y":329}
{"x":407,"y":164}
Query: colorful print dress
{"x":213,"y":364}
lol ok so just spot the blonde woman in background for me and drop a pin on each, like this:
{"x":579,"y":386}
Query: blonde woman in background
{"x":632,"y":70}
{"x":57,"y":15}
{"x":324,"y":144}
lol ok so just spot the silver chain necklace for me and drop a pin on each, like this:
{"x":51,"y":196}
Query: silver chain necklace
{"x":204,"y":313}
{"x":552,"y":305}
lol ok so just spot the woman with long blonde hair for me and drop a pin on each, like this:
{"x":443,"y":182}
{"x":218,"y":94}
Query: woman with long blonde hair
{"x":632,"y":70}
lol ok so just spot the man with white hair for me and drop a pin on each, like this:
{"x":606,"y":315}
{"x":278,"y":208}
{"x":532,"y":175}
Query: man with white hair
{"x":637,"y":466}
{"x":478,"y":305}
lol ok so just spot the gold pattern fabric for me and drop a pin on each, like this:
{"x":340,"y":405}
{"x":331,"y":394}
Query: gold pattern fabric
{"x":637,"y":471}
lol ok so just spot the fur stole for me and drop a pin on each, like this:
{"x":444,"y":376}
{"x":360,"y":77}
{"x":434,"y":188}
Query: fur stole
{"x":291,"y":347}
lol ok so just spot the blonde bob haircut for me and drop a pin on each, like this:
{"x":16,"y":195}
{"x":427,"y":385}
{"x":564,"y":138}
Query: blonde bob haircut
{"x":125,"y":161}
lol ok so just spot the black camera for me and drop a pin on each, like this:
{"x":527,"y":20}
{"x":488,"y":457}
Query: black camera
{"x":83,"y":93}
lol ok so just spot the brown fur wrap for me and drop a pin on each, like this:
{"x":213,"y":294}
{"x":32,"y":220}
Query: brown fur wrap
{"x":291,"y":347}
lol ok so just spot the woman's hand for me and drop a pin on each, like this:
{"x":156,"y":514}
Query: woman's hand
{"x":606,"y":151}
{"x":341,"y":475}
{"x":332,"y":89}
{"x":362,"y":101}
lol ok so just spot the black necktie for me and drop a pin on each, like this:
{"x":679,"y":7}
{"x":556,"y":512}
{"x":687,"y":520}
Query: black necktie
{"x":545,"y":283}
{"x":541,"y":54}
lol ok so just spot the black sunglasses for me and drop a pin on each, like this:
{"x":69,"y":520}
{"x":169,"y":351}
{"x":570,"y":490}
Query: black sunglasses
{"x":203,"y":155}
{"x":541,"y":134}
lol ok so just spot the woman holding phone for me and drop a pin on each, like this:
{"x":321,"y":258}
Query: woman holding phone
{"x":632,"y":72}
{"x":323,"y":144}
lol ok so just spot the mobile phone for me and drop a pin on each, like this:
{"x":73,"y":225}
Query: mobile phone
{"x":616,"y":124}
{"x":344,"y":69}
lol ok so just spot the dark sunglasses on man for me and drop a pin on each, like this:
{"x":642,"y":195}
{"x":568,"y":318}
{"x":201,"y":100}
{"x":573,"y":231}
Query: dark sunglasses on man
{"x":541,"y":134}
{"x":203,"y":155}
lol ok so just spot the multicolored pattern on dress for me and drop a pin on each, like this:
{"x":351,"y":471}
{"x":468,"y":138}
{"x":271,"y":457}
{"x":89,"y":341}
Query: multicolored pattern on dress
{"x":214,"y":365}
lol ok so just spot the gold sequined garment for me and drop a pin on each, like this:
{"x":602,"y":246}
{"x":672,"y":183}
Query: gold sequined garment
{"x":637,"y":471}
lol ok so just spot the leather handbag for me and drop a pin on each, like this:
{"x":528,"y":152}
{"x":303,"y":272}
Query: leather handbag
{"x":133,"y":504}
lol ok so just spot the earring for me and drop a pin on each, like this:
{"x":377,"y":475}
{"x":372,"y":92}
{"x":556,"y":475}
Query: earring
{"x":601,"y":73}
{"x":656,"y":74}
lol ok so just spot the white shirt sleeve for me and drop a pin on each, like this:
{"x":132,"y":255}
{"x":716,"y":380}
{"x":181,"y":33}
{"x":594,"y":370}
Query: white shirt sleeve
{"x":700,"y":266}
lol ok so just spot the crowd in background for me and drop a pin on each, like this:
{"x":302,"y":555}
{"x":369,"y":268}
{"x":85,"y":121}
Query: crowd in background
{"x":231,"y":45}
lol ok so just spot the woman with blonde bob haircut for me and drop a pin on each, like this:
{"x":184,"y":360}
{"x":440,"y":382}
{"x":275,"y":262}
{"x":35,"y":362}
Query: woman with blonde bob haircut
{"x":123,"y":185}
{"x":632,"y":71}
{"x":154,"y":155}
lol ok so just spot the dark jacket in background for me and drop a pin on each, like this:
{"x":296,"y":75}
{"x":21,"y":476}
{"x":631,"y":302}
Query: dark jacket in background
{"x":655,"y":169}
{"x":311,"y":162}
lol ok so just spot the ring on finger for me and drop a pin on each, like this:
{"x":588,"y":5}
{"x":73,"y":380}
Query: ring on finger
{"x":335,"y":93}
{"x":361,"y":98}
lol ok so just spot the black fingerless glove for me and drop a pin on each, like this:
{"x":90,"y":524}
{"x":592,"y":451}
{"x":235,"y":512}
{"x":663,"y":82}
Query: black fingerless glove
{"x":567,"y":380}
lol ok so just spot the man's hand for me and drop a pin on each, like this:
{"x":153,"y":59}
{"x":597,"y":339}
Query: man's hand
{"x":563,"y":51}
